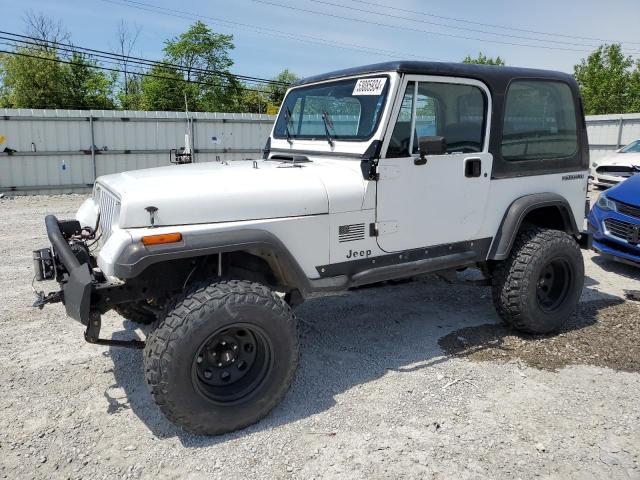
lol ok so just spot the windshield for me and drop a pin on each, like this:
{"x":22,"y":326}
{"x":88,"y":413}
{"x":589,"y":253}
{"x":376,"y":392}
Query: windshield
{"x":633,"y":147}
{"x":340,"y":110}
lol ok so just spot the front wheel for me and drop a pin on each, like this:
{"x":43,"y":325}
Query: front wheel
{"x":223,"y":357}
{"x":539,"y":285}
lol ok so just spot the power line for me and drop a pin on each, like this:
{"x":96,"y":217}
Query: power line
{"x":407,"y":28}
{"x":134,"y":60}
{"x":266,"y":31}
{"x":108,"y":69}
{"x":470,"y":22}
{"x":115,"y":62}
{"x":466,"y":29}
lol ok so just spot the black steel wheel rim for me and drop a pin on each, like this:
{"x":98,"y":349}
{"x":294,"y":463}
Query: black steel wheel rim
{"x":232,"y":363}
{"x":554,"y":284}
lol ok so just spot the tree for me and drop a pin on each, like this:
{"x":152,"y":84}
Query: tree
{"x":607,"y":82}
{"x":47,"y":32}
{"x":199,"y":48}
{"x":33,"y":79}
{"x":163,"y":88}
{"x":482,"y":59}
{"x":129,"y":93}
{"x":276,"y":92}
{"x":254,"y":100}
{"x":634,"y":90}
{"x":47,"y":75}
{"x":85,"y":86}
{"x":200,"y":56}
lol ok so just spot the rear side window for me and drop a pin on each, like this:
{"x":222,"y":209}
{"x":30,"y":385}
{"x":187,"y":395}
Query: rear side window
{"x":539,"y":121}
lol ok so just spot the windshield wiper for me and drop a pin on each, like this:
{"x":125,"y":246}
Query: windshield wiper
{"x":327,"y":121}
{"x":287,"y":119}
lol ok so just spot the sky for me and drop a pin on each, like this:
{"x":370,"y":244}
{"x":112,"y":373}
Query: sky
{"x":315,"y":36}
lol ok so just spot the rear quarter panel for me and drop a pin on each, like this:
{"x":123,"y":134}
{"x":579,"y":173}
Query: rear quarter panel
{"x":503,"y":192}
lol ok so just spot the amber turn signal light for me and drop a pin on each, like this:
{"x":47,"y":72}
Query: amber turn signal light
{"x":161,"y":239}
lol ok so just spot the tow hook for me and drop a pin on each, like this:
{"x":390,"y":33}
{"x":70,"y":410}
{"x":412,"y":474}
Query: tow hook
{"x":42,"y":299}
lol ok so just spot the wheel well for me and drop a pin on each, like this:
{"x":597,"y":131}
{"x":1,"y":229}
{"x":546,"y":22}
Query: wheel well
{"x":552,"y":216}
{"x":545,"y":210}
{"x":248,"y":266}
{"x":256,"y":266}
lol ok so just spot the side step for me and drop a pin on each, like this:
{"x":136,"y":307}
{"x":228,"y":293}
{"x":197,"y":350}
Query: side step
{"x":410,"y":269}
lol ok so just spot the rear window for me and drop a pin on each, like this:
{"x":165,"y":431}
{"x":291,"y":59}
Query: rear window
{"x":539,"y":121}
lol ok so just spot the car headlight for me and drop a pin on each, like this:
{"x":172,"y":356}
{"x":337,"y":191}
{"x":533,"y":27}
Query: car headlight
{"x":605,"y":203}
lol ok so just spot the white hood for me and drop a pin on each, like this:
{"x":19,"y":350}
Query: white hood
{"x":220,"y":192}
{"x":627,"y":159}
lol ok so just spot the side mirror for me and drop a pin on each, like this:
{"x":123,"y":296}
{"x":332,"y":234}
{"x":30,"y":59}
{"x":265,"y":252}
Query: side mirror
{"x":430,"y":146}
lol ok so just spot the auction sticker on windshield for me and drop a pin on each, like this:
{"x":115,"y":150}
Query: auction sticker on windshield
{"x":369,"y":86}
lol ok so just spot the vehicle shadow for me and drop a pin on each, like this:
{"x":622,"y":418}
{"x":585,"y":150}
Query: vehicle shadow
{"x":609,"y":265}
{"x":347,"y":340}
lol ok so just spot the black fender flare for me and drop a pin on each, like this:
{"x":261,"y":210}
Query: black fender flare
{"x":135,"y":257}
{"x":518,"y":210}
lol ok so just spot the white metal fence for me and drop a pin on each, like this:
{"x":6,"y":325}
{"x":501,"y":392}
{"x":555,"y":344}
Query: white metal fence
{"x":607,"y":133}
{"x":56,"y":151}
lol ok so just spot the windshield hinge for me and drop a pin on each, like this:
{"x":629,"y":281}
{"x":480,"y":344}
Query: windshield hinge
{"x":369,"y":162}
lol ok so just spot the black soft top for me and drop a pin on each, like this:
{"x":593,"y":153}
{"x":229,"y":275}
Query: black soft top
{"x":489,"y":74}
{"x":497,"y":79}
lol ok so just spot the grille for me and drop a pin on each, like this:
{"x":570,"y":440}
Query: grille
{"x":620,"y":169}
{"x":109,"y":212}
{"x":628,"y":210}
{"x":624,"y":230}
{"x":351,"y":233}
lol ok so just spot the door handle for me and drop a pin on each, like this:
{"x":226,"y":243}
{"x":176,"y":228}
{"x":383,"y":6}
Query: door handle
{"x":472,"y":167}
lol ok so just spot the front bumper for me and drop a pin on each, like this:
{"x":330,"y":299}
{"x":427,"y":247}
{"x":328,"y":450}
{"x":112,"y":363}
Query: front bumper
{"x":604,"y":180}
{"x":84,"y":294}
{"x":76,"y":279}
{"x":606,"y":243}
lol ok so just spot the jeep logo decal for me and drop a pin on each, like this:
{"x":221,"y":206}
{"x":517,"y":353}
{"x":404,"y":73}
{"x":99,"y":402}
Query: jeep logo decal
{"x":358,"y":253}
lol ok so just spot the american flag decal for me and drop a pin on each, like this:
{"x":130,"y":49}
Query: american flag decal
{"x":351,"y":233}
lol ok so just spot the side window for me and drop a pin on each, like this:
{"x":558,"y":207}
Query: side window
{"x":399,"y":142}
{"x":539,"y":121}
{"x":454,"y":111}
{"x":427,"y":108}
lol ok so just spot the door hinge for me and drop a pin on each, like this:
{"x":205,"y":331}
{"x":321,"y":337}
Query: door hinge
{"x":369,"y":169}
{"x":381,"y":228}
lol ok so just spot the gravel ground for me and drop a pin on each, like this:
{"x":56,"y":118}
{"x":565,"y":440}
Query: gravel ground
{"x":415,"y":380}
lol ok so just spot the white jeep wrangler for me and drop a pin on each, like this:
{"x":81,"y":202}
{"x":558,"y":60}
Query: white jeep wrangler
{"x":371,"y":174}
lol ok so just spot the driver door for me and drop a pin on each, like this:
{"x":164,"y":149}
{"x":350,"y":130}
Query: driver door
{"x":441,"y":200}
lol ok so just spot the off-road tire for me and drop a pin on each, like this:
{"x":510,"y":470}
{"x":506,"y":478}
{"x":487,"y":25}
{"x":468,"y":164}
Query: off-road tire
{"x":518,"y":280}
{"x":173,"y":353}
{"x":135,"y":312}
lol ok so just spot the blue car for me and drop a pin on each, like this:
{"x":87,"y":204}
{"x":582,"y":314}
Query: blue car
{"x":614,"y":222}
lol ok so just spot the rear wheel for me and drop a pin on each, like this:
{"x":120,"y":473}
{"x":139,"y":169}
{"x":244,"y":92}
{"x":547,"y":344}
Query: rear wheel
{"x":538,"y":287}
{"x":223,"y":357}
